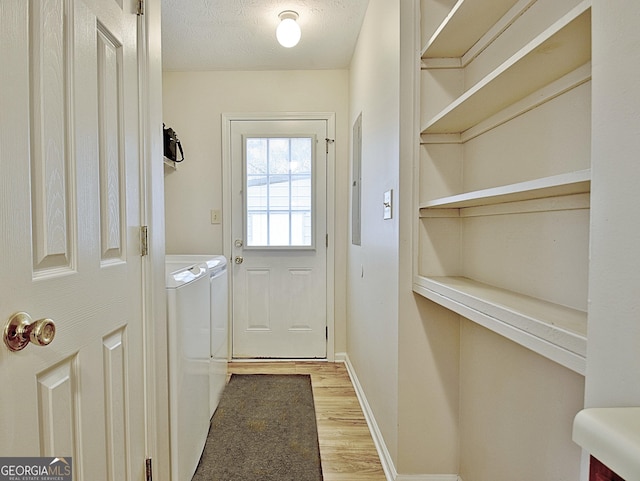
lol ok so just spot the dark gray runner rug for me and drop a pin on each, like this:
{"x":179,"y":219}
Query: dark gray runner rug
{"x":263,"y":430}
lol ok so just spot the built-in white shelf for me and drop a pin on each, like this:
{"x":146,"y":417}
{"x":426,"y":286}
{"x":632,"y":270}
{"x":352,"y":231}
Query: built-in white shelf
{"x":558,"y":50}
{"x":554,"y":62}
{"x":465,"y":24}
{"x":556,"y":332}
{"x":557,"y":185}
{"x":551,"y":91}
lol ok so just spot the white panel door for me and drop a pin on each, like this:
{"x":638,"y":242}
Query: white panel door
{"x":279,"y":230}
{"x":70,"y":215}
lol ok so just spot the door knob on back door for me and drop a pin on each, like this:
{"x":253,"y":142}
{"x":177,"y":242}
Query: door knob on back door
{"x":239,"y":259}
{"x":21,"y":329}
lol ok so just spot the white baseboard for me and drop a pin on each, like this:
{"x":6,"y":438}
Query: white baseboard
{"x":385,"y":457}
{"x":428,"y":477}
{"x":340,"y":357}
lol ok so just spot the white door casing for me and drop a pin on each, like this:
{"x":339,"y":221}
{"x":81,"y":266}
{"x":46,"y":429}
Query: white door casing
{"x":279,"y":293}
{"x":70,"y":215}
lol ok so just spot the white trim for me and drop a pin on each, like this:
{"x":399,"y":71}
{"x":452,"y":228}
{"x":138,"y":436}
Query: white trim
{"x":428,"y":477}
{"x":276,"y":360}
{"x":152,"y":215}
{"x":385,"y":457}
{"x":341,"y":357}
{"x":227,"y":240}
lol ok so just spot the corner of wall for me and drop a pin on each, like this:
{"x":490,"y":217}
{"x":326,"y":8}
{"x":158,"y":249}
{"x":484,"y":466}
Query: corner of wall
{"x":385,"y":457}
{"x":387,"y":462}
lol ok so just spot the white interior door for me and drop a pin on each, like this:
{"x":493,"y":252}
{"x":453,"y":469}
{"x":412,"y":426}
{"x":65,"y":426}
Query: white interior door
{"x":70,"y":215}
{"x":279,"y":227}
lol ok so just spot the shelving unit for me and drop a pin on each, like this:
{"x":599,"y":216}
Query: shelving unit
{"x":522,"y":80}
{"x":554,"y":186}
{"x":558,"y":50}
{"x":554,"y":331}
{"x":465,"y":24}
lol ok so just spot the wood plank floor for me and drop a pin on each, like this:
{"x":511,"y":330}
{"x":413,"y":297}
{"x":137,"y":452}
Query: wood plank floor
{"x":347,"y":451}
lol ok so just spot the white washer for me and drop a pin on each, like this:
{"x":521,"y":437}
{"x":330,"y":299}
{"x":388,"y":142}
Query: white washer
{"x":188,"y":334}
{"x":219,"y":314}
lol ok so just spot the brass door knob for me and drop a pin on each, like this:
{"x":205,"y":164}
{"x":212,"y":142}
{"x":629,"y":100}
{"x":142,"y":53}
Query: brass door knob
{"x":21,"y":329}
{"x":239,"y":259}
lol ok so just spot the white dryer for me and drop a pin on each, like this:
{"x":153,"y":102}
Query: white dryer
{"x":188,"y":334}
{"x":219,"y":315}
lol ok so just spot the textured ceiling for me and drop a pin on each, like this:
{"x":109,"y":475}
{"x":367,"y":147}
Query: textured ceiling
{"x":240,"y":34}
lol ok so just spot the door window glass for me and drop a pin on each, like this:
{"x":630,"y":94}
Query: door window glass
{"x":278,"y":191}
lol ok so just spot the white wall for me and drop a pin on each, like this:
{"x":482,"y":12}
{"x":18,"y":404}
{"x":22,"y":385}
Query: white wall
{"x":613,"y":350}
{"x":516,"y":411}
{"x":428,"y":335}
{"x":193,"y":103}
{"x":403,"y":348}
{"x":372,"y":330}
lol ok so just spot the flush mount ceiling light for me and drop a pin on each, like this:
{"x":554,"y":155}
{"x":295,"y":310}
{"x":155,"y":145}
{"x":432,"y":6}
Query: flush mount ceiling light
{"x":288,"y":32}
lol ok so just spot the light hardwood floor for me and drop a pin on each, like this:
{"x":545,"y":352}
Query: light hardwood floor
{"x":347,"y":451}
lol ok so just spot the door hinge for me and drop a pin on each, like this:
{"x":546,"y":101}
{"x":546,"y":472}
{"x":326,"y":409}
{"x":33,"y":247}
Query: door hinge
{"x":140,"y":7}
{"x":144,"y":240}
{"x":148,"y":470}
{"x":326,"y":333}
{"x":328,"y":141}
{"x":326,"y":240}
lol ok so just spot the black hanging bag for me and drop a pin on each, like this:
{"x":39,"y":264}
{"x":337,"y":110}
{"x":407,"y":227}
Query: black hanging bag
{"x":172,"y":144}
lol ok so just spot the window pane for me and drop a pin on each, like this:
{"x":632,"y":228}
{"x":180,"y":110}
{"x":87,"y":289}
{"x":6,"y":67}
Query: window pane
{"x":279,"y":155}
{"x":279,"y":194}
{"x":301,"y":155}
{"x":256,"y":156}
{"x":301,"y":229}
{"x":278,"y":191}
{"x":279,"y":229}
{"x":301,"y":192}
{"x":256,"y":228}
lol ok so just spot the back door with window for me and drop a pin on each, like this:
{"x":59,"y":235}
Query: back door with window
{"x":279,"y":231}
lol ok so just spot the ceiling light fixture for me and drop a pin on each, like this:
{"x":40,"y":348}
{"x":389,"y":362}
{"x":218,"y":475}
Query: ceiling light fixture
{"x":288,"y":32}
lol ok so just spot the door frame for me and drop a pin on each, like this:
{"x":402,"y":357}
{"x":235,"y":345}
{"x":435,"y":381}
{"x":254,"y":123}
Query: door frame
{"x":227,"y":241}
{"x":152,"y":215}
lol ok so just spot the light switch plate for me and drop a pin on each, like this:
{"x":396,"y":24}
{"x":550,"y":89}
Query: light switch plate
{"x":388,"y":204}
{"x":216,"y":217}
